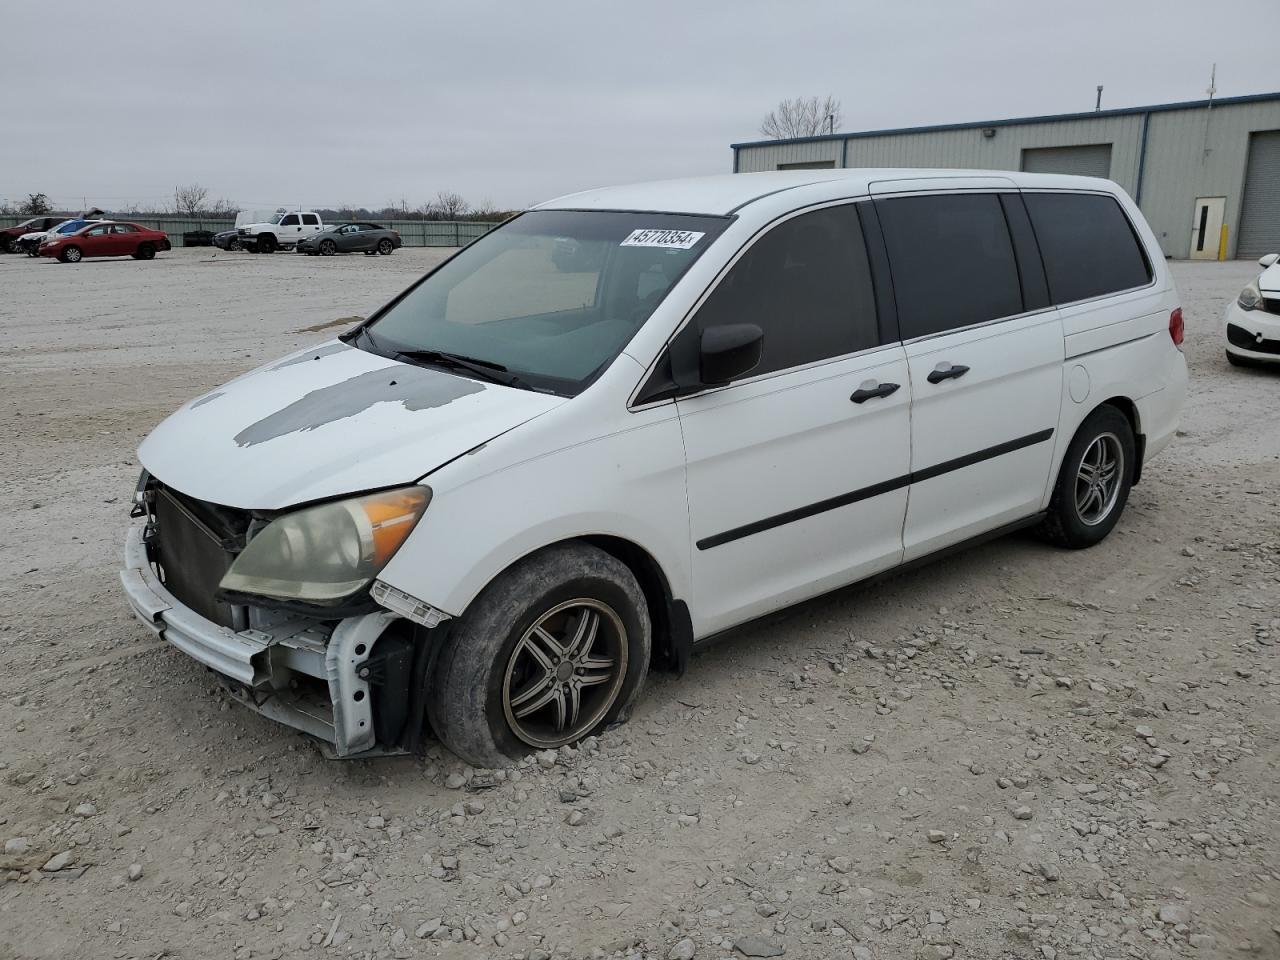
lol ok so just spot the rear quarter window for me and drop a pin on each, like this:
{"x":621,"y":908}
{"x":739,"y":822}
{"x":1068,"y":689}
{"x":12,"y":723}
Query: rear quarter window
{"x":1088,"y":245}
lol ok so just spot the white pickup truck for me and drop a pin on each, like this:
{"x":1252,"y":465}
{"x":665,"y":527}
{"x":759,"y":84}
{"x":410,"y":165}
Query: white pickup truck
{"x":280,"y":232}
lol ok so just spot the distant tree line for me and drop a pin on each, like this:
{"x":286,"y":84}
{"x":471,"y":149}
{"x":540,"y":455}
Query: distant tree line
{"x":195,"y":202}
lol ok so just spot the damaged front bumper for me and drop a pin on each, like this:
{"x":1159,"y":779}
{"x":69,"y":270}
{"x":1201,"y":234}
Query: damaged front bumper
{"x":309,"y":674}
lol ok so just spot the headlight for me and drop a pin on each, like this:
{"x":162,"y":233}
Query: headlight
{"x":326,"y":553}
{"x":1250,"y":297}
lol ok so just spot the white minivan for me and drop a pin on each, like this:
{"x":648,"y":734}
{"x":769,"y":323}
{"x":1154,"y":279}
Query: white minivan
{"x":633,"y":418}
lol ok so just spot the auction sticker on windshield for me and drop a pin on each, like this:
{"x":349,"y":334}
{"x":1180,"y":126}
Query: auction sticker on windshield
{"x":671,"y":239}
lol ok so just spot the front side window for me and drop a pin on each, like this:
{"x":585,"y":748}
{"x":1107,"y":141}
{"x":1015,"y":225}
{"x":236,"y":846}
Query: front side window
{"x":952,"y":261}
{"x":125,"y":228}
{"x":290,"y":221}
{"x":1087,"y":244}
{"x":552,"y":296}
{"x":807,"y":285}
{"x":98,"y":232}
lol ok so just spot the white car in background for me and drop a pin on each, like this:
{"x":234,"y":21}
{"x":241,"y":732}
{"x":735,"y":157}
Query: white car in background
{"x":1253,"y":318}
{"x":606,"y":432}
{"x":283,"y":231}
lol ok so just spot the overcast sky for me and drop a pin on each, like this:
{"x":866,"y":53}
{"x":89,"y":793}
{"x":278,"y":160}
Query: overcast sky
{"x":324,"y":103}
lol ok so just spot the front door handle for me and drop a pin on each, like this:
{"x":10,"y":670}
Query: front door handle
{"x":870,"y":390}
{"x":947,"y":371}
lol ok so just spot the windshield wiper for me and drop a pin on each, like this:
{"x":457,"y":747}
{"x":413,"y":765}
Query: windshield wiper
{"x":493,"y":372}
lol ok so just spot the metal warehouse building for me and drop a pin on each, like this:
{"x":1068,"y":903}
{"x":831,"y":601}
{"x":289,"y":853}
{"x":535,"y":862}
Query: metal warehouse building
{"x":1206,"y":173}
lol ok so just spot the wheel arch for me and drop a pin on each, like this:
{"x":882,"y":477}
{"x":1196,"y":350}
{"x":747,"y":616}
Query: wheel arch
{"x":1130,"y":410}
{"x":669,"y":616}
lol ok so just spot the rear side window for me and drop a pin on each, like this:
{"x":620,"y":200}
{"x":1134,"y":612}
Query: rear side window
{"x":807,"y":285}
{"x":310,"y":219}
{"x":952,"y":261}
{"x":1087,"y":244}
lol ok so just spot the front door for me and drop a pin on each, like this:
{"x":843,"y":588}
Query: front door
{"x":796,"y":473}
{"x":1207,"y":242}
{"x":290,"y":229}
{"x":985,"y":353}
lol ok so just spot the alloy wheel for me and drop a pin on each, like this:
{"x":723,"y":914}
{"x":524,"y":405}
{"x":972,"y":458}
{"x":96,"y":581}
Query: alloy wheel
{"x":565,"y":673}
{"x":1098,"y":479}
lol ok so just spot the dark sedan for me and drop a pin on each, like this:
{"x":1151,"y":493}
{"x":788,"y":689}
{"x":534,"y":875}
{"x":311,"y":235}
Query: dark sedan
{"x":367,"y":238}
{"x":227,"y":240}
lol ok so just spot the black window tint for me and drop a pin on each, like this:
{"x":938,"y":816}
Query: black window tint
{"x":1087,"y":244}
{"x":952,"y":261}
{"x":310,"y":219}
{"x":807,"y":285}
{"x":290,"y":221}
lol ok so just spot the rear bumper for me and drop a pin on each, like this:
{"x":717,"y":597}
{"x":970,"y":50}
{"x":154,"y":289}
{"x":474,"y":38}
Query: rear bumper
{"x":298,"y":671}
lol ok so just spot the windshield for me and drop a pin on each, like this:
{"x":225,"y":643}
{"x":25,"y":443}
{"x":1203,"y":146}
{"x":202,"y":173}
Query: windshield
{"x":71,"y":226}
{"x":277,"y":218}
{"x":552,"y":296}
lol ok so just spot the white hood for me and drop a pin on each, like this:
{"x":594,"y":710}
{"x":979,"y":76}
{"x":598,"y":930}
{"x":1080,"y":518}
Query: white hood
{"x":328,"y":421}
{"x":1270,"y":279}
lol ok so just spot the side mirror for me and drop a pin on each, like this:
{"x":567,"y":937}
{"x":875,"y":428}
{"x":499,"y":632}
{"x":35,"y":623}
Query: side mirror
{"x":1268,"y":260}
{"x":729,"y":351}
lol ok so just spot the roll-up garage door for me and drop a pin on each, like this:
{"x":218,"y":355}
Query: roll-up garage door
{"x":1260,"y":211}
{"x":1091,"y":160}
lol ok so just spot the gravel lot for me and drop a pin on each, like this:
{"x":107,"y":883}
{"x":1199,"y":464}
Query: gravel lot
{"x":1017,"y":752}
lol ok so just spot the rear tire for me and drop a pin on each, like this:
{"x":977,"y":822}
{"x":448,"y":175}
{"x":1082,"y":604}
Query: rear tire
{"x":1093,"y":482}
{"x":71,"y":255}
{"x":266,"y":243}
{"x":385,"y":247}
{"x":551,"y":651}
{"x":145,"y":251}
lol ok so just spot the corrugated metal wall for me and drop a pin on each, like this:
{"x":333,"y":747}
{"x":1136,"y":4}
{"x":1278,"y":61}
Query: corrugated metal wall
{"x":414,"y":233}
{"x":1260,"y":217}
{"x":1177,"y":169}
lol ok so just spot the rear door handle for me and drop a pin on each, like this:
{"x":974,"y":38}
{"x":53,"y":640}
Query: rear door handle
{"x":947,"y":371}
{"x":870,"y":390}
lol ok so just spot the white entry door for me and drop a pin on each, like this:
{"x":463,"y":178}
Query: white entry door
{"x":1206,"y":227}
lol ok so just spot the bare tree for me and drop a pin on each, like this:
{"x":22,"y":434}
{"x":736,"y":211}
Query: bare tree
{"x":802,"y":117}
{"x":190,"y":201}
{"x":448,"y":205}
{"x":35,"y":205}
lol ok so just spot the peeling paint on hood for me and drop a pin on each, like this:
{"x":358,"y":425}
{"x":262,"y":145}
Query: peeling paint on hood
{"x":325,"y":422}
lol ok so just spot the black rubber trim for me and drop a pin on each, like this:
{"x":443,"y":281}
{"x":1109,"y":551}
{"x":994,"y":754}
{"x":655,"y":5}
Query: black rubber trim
{"x":875,"y":490}
{"x":999,"y":450}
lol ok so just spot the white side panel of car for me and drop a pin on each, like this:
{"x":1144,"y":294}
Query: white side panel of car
{"x":1008,"y":398}
{"x":588,"y":469}
{"x":763,"y":450}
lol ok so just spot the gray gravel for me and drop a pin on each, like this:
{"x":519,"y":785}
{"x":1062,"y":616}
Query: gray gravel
{"x":1015,"y":752}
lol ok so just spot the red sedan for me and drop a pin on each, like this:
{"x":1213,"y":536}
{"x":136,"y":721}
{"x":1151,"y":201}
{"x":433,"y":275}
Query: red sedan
{"x":106,"y":239}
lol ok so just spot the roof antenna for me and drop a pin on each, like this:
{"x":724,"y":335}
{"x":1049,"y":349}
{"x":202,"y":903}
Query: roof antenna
{"x":1208,"y":110}
{"x":1098,"y":103}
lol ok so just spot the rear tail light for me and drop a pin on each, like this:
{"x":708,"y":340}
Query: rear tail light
{"x":1176,"y":330}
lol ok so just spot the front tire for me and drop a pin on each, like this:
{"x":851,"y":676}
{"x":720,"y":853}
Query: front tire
{"x":1093,"y":482}
{"x":145,"y":251}
{"x":551,"y":651}
{"x":266,"y":243}
{"x":71,"y":255}
{"x":234,"y":244}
